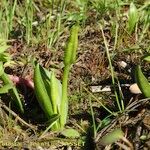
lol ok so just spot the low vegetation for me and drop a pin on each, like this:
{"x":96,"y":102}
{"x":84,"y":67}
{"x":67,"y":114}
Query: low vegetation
{"x":66,"y":72}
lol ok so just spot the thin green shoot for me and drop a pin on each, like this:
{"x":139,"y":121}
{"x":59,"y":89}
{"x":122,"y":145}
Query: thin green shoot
{"x":111,"y":68}
{"x":121,"y":96}
{"x":9,"y":120}
{"x":69,"y":59}
{"x":93,"y":119}
{"x":116,"y":35}
{"x":29,"y":19}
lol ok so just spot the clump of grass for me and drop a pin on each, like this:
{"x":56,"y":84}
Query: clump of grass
{"x":29,"y":19}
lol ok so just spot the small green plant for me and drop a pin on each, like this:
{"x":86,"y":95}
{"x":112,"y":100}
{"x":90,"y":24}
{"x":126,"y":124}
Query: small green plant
{"x":8,"y":86}
{"x":50,"y":93}
{"x":132,"y":17}
{"x":112,"y":137}
{"x":141,"y":80}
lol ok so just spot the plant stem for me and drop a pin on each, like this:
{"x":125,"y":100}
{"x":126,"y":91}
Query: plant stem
{"x":111,"y":68}
{"x":64,"y":102}
{"x":93,"y":120}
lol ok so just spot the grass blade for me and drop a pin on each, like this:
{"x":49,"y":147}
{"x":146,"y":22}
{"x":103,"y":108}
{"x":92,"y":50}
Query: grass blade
{"x":142,"y":82}
{"x":133,"y":17}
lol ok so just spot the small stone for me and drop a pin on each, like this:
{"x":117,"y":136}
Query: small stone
{"x":122,"y":64}
{"x":135,"y":89}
